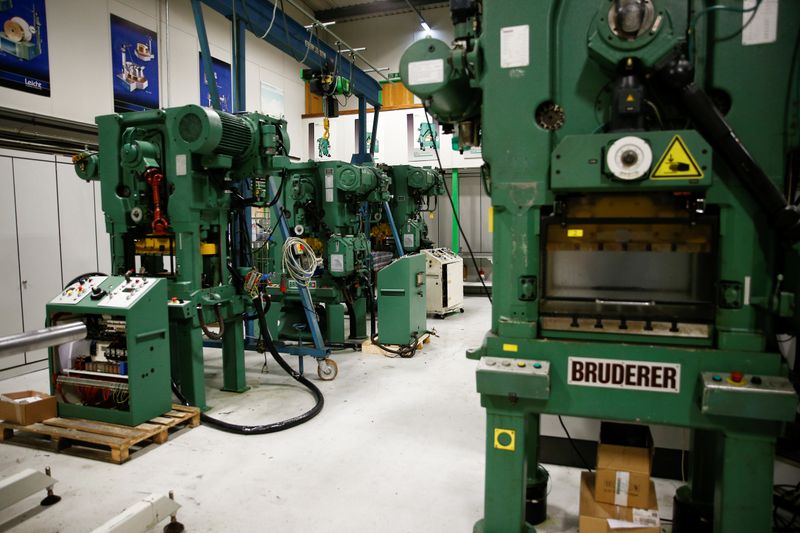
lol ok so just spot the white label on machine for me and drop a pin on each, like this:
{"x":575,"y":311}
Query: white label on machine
{"x":621,"y":374}
{"x":328,"y":184}
{"x":760,"y":26}
{"x":337,"y":263}
{"x":180,"y":165}
{"x":328,"y":195}
{"x":422,"y":72}
{"x":408,"y":240}
{"x":515,"y":46}
{"x":621,"y":488}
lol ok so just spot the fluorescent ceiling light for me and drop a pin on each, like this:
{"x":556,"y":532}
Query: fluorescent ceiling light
{"x":331,"y":23}
{"x":425,"y":26}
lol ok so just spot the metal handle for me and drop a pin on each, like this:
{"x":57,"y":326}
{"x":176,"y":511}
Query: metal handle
{"x":623,"y":302}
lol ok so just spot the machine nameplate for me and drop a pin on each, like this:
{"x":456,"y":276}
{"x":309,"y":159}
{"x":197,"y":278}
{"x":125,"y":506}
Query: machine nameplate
{"x":515,"y":46}
{"x":622,"y":374}
{"x":424,"y":72}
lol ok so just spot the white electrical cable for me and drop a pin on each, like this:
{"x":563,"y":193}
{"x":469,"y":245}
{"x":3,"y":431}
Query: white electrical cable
{"x":299,"y":260}
{"x":271,"y":22}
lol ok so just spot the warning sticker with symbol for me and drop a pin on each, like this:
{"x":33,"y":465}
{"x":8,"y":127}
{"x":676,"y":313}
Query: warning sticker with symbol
{"x":677,"y":163}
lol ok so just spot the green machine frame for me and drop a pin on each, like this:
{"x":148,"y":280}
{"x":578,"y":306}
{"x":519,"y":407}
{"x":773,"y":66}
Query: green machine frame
{"x":415,"y":191}
{"x":328,"y":205}
{"x":647,"y":255}
{"x":171,"y":184}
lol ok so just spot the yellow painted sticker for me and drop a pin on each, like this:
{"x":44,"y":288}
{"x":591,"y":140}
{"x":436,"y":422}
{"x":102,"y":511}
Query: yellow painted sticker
{"x":491,"y":219}
{"x":505,"y":439}
{"x":510,"y":348}
{"x":677,"y":163}
{"x":574,"y":233}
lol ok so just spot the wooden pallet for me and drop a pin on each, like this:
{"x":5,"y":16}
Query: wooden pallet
{"x":99,"y":440}
{"x":369,"y":347}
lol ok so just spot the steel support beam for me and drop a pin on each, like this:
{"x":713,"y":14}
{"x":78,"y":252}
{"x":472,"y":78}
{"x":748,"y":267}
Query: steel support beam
{"x":374,"y":9}
{"x":205,"y":53}
{"x":292,"y":38}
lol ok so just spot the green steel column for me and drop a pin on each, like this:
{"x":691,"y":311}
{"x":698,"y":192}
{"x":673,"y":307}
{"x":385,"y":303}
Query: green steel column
{"x":703,"y":462}
{"x":233,"y":379}
{"x":186,"y":349}
{"x":744,"y":484}
{"x":506,"y":477}
{"x":454,"y":192}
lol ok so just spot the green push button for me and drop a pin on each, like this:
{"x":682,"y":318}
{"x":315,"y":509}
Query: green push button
{"x":716,"y":378}
{"x":537,"y":365}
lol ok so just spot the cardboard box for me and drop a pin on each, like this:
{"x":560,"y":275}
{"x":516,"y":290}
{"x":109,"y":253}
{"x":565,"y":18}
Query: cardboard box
{"x":596,"y":517}
{"x":27,"y":407}
{"x":624,"y":461}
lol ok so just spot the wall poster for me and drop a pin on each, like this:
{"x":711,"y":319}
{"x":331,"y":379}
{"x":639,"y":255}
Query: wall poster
{"x":222,"y":75}
{"x":272,"y":103}
{"x":134,"y":61}
{"x":24,"y":61}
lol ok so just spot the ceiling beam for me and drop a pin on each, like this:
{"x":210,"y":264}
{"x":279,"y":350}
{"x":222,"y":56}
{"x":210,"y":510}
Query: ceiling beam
{"x":374,"y":9}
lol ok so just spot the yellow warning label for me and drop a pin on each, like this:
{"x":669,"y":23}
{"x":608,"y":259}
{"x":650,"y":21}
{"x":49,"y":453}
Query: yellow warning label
{"x":505,"y":439}
{"x":630,"y":98}
{"x":677,"y":163}
{"x":491,"y":219}
{"x":574,"y":233}
{"x":510,"y":348}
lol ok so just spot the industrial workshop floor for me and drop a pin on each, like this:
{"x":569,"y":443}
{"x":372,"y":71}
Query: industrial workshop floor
{"x":397,"y":448}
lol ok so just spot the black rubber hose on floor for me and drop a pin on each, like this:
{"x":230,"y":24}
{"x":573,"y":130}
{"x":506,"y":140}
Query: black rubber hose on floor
{"x":276,"y":426}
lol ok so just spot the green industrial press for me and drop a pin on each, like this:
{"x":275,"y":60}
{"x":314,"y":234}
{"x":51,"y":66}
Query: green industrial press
{"x":648,"y":253}
{"x":170,"y":181}
{"x":415,"y":192}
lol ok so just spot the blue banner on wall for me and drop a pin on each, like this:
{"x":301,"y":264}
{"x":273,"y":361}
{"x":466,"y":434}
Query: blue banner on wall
{"x":24,"y":61}
{"x":222,"y":74}
{"x":134,"y":59}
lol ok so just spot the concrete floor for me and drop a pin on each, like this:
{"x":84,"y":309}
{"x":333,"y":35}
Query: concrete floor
{"x":398,"y":448}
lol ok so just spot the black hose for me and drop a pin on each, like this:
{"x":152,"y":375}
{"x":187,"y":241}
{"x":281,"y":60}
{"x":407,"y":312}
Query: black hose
{"x":82,"y":276}
{"x":275,"y":426}
{"x":210,"y":334}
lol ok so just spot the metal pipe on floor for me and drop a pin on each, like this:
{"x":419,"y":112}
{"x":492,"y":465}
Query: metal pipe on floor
{"x":42,"y":338}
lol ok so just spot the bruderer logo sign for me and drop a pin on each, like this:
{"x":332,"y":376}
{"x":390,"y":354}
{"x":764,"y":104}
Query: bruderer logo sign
{"x":620,"y":374}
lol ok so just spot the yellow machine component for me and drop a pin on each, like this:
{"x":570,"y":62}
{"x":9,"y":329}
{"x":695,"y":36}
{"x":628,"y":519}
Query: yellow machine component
{"x":315,"y":244}
{"x":164,"y":246}
{"x":326,"y":128}
{"x":381,"y":232}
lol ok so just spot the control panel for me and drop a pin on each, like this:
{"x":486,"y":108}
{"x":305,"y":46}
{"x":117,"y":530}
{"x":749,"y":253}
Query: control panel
{"x":79,"y":290}
{"x":517,"y":366}
{"x":514,"y":378}
{"x":126,"y":293}
{"x":748,"y":396}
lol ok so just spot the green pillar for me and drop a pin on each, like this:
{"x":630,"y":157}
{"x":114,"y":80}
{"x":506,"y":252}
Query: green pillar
{"x":454,"y":192}
{"x":744,"y":484}
{"x":506,"y":476}
{"x":186,"y":344}
{"x":233,"y":379}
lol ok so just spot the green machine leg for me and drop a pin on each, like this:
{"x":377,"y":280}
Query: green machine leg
{"x":744,"y":483}
{"x":187,"y":356}
{"x":359,"y":328}
{"x":334,"y":320}
{"x":507,"y":451}
{"x":233,"y":357}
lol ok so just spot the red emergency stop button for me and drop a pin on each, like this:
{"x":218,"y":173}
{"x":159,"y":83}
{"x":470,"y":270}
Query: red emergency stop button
{"x":737,"y":377}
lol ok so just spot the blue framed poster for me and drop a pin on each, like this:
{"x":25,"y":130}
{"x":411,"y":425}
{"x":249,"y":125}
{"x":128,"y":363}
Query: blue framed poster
{"x":134,"y":60}
{"x":24,"y":61}
{"x":222,"y":75}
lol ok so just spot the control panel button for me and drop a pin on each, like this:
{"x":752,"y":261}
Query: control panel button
{"x":755,"y":380}
{"x":506,"y":363}
{"x":521,"y":364}
{"x":716,"y":377}
{"x":537,"y":365}
{"x":736,"y":377}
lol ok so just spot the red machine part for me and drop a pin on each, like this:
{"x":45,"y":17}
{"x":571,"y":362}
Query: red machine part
{"x":154,"y":178}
